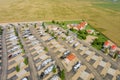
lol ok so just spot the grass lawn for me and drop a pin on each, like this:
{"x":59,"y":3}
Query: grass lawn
{"x":103,"y":15}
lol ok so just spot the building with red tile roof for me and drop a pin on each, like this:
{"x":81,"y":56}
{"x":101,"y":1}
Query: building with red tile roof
{"x":82,"y":25}
{"x":90,"y":31}
{"x":106,"y":44}
{"x":113,"y":47}
{"x":70,"y":57}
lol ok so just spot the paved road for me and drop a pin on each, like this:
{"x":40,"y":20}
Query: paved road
{"x":4,"y":57}
{"x":50,"y":51}
{"x":33,"y":71}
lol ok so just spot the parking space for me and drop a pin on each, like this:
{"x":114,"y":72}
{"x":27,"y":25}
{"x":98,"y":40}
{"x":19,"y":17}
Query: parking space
{"x":83,"y":74}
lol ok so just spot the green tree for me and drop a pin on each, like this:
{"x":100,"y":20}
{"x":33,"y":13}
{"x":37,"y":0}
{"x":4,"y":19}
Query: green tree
{"x":47,"y":30}
{"x":23,"y":51}
{"x":57,"y":22}
{"x":1,"y":30}
{"x":16,"y":33}
{"x":46,"y":49}
{"x":17,"y":68}
{"x":92,"y":79}
{"x":63,"y":38}
{"x":71,"y":29}
{"x":56,"y":37}
{"x":26,"y":61}
{"x":53,"y":21}
{"x":62,"y":74}
{"x":106,"y":50}
{"x":63,"y":23}
{"x":53,"y":34}
{"x":54,"y":69}
{"x":67,"y":33}
{"x":21,"y":46}
{"x":83,"y":36}
{"x":115,"y":56}
{"x":43,"y":24}
{"x":35,"y":25}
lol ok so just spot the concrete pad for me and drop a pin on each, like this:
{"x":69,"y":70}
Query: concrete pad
{"x":97,"y":62}
{"x":106,"y":68}
{"x":95,"y":57}
{"x":78,"y":73}
{"x":83,"y":52}
{"x":42,"y":70}
{"x":111,"y":71}
{"x":90,"y":56}
{"x":48,"y":76}
{"x":102,"y":63}
{"x":43,"y":57}
{"x":84,"y":75}
{"x":11,"y":66}
{"x":11,"y":74}
{"x":68,"y":66}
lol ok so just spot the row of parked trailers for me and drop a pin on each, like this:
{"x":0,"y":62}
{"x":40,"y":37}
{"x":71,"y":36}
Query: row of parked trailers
{"x":14,"y":47}
{"x":27,"y":34}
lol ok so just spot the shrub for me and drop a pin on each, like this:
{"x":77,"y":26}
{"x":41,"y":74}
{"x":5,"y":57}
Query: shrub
{"x":67,"y":33}
{"x":21,"y":46}
{"x":63,"y":38}
{"x":54,"y":69}
{"x":43,"y":25}
{"x":47,"y":30}
{"x":26,"y":61}
{"x":35,"y":26}
{"x":53,"y":21}
{"x":46,"y":49}
{"x":23,"y":51}
{"x":17,"y":68}
{"x":1,"y":30}
{"x":115,"y":55}
{"x":62,"y":75}
{"x":56,"y":37}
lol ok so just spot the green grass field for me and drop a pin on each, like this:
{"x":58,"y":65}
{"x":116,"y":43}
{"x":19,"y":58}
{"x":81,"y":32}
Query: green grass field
{"x":104,"y":15}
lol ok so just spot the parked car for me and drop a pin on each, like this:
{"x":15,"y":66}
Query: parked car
{"x":75,"y":45}
{"x":66,"y":53}
{"x":25,"y":78}
{"x":46,"y":62}
{"x":76,"y":66}
{"x":48,"y":70}
{"x":50,"y":38}
{"x":71,"y":41}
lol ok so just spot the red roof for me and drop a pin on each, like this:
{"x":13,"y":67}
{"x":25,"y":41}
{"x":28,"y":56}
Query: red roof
{"x":81,"y":25}
{"x":71,"y":57}
{"x":89,"y":31}
{"x":113,"y":47}
{"x":107,"y":43}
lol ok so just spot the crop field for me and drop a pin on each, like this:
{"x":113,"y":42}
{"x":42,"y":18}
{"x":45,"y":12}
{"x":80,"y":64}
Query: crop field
{"x":103,"y":15}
